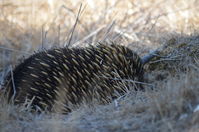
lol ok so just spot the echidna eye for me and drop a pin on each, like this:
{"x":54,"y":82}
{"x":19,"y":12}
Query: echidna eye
{"x":130,"y":55}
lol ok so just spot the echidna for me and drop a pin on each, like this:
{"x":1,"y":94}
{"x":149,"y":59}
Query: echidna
{"x":57,"y":78}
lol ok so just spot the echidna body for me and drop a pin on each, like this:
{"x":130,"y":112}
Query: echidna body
{"x":58,"y":78}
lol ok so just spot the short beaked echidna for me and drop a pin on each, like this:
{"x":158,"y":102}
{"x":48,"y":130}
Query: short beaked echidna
{"x":56,"y":78}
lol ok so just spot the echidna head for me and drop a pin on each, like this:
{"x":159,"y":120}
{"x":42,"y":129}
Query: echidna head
{"x":137,"y":68}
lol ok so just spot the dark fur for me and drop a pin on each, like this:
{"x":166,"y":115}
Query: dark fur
{"x":70,"y":76}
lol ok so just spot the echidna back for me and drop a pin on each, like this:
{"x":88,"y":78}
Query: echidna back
{"x":58,"y":78}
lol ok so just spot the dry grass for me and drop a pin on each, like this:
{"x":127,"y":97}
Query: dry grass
{"x":142,"y":25}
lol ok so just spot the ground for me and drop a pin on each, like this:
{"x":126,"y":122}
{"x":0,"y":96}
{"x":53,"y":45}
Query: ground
{"x":170,"y":102}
